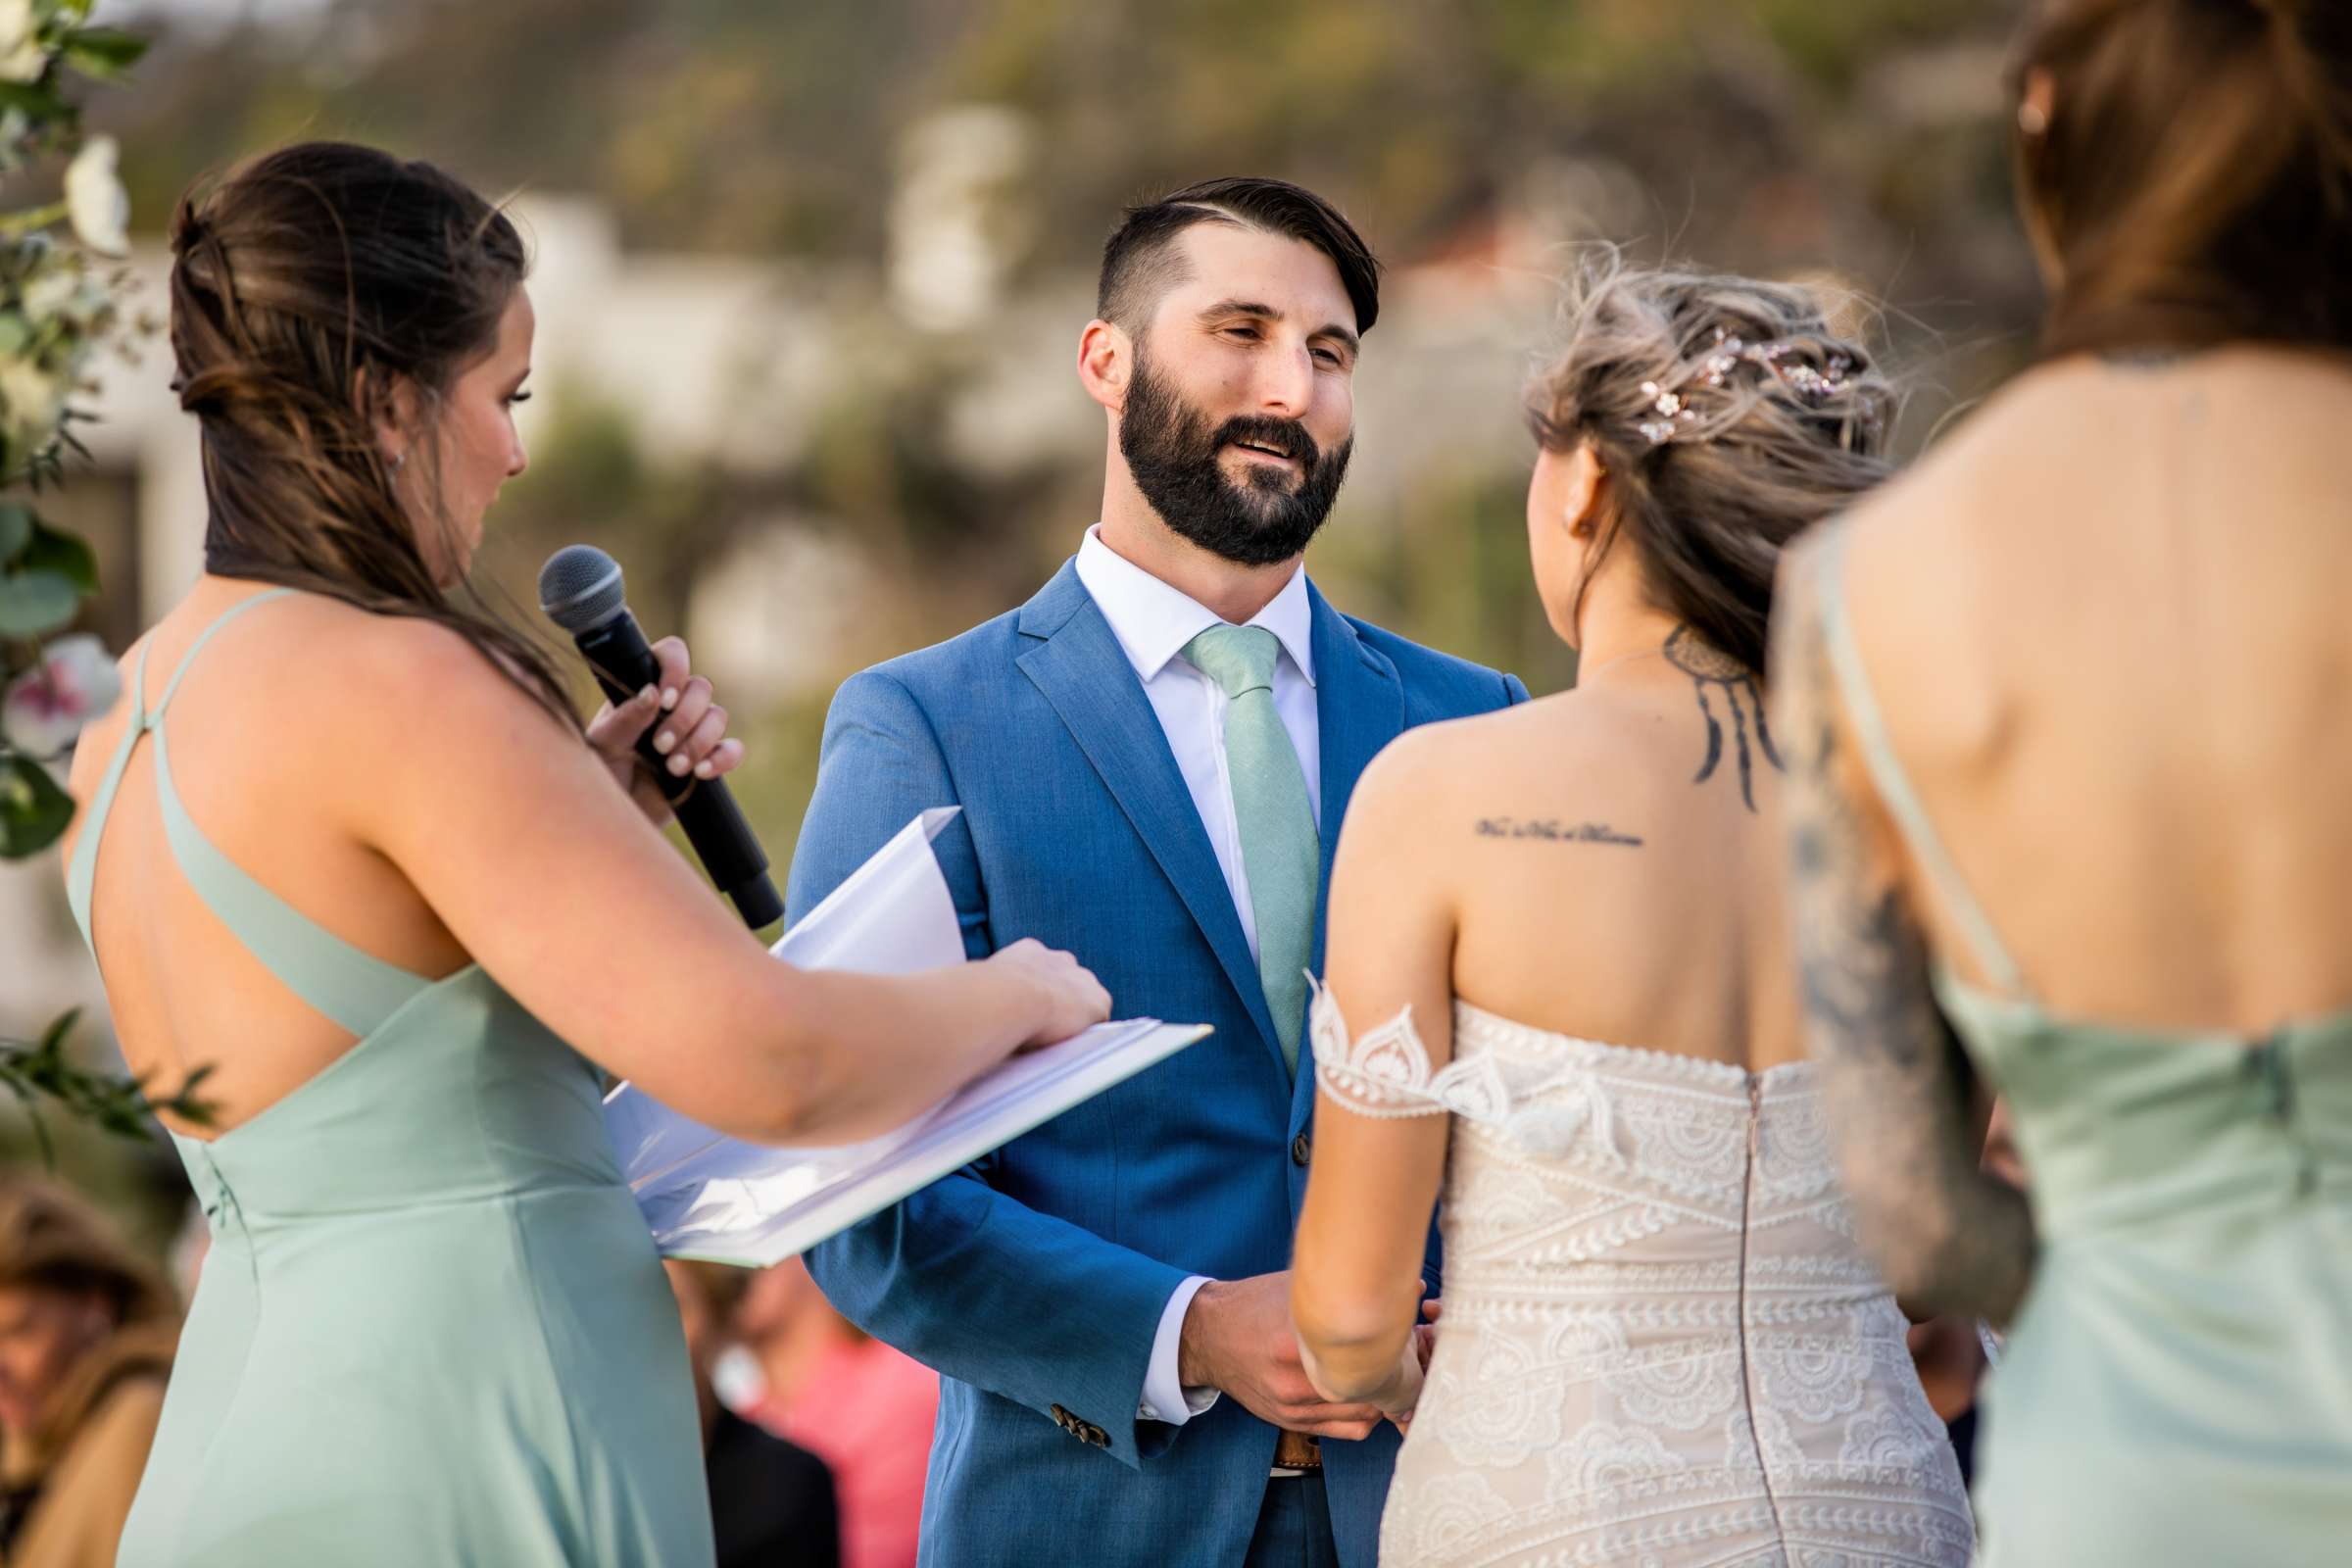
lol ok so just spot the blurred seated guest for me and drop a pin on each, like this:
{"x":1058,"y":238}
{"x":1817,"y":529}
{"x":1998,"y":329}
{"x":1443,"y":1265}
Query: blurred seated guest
{"x":864,"y":1409}
{"x":86,"y":1330}
{"x":771,"y":1501}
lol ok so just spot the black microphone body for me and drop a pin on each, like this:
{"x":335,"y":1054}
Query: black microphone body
{"x":625,"y":665}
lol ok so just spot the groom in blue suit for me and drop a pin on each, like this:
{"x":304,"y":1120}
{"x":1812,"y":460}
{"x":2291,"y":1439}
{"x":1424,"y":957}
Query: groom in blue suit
{"x":1152,"y":756}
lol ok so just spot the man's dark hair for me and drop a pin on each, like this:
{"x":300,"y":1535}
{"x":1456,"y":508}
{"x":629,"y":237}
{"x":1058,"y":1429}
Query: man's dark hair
{"x":1139,"y":263}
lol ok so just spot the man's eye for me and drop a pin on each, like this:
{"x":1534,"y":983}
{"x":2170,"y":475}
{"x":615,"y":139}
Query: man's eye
{"x":1242,"y":332}
{"x":1329,"y":357}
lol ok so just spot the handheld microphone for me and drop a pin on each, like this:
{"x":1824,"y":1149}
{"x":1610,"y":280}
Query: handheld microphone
{"x":580,"y":590}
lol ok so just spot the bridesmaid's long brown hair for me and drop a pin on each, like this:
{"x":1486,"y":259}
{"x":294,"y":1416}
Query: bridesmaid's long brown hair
{"x":2193,"y":178}
{"x":306,"y":284}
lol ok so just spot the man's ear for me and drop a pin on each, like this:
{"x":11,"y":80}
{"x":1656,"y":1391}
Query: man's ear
{"x":1106,"y":364}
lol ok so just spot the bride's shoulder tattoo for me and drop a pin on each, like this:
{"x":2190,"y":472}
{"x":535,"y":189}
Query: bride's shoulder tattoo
{"x":1552,"y":830}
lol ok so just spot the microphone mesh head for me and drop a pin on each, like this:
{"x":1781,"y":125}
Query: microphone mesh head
{"x":580,"y":588}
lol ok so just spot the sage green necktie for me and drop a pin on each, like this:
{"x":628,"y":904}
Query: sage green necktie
{"x":1279,"y":848}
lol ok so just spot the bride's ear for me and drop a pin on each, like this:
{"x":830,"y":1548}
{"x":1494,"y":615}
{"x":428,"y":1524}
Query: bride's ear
{"x":1581,"y":491}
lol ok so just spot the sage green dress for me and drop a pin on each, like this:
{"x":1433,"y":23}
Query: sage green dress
{"x":2177,"y":1387}
{"x":432,"y":1328}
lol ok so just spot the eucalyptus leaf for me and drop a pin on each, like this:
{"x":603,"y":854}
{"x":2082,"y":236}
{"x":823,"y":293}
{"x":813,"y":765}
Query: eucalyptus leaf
{"x":37,"y":103}
{"x":103,"y":53}
{"x":65,"y":553}
{"x":34,"y":604}
{"x":33,"y":811}
{"x":15,"y":333}
{"x":53,"y":1038}
{"x":16,"y":530}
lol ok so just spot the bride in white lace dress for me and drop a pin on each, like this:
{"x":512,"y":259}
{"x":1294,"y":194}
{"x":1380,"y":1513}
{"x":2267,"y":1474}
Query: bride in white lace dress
{"x":1659,"y":1343}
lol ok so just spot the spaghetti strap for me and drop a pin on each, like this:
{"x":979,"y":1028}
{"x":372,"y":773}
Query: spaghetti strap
{"x":82,"y":872}
{"x":355,"y":988}
{"x":1895,"y":787}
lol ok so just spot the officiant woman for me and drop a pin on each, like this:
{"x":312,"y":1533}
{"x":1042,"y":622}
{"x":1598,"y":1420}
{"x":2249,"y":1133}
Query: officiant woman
{"x":346,"y":846}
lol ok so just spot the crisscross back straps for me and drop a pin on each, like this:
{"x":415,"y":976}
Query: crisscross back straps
{"x":355,"y":989}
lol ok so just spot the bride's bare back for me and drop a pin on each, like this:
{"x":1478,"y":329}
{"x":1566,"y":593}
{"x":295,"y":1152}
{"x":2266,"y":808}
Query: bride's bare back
{"x":1614,"y":860}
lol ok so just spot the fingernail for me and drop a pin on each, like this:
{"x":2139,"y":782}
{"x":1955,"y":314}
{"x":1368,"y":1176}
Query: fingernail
{"x":670,"y":697}
{"x":703,"y":769}
{"x":665,"y":740}
{"x":677,"y":764}
{"x":646,"y":696}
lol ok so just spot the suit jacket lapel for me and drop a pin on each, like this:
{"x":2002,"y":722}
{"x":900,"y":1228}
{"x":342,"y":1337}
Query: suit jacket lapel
{"x":1359,"y":708}
{"x":1078,"y":665}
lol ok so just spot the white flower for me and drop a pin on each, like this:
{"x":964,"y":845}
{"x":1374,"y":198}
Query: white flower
{"x":95,"y":199}
{"x":21,"y":57}
{"x":51,"y":293}
{"x":47,"y":705}
{"x":31,"y":399}
{"x":67,"y":292}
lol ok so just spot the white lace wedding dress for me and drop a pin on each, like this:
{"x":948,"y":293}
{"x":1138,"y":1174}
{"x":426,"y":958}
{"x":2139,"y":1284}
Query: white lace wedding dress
{"x":1661,"y":1345}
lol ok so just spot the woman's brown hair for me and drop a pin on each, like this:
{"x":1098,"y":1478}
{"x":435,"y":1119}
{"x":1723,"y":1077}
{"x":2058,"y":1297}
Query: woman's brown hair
{"x":1730,"y":417}
{"x":52,"y":1238}
{"x":306,"y":285}
{"x":2191,"y":171}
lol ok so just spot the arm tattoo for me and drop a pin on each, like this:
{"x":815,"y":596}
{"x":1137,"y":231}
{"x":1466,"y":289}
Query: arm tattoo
{"x":1551,"y":828}
{"x":1708,"y":666}
{"x":1897,"y":1084}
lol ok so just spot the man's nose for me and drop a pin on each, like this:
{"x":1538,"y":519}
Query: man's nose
{"x":1286,"y":381}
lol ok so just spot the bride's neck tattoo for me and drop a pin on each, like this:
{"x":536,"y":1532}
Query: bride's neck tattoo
{"x":1709,"y":666}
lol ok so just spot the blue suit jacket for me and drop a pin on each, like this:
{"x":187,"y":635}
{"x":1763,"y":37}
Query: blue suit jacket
{"x":1034,"y":1280}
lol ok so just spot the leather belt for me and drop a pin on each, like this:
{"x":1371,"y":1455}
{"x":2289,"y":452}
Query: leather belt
{"x":1297,"y":1450}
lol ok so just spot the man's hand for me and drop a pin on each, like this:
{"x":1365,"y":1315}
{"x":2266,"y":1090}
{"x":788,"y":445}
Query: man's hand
{"x":1237,"y":1338}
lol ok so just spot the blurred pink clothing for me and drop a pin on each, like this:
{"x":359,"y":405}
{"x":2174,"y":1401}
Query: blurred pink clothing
{"x":867,"y":1410}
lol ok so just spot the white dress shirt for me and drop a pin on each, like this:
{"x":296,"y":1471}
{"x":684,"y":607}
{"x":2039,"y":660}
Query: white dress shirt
{"x":1152,"y":622}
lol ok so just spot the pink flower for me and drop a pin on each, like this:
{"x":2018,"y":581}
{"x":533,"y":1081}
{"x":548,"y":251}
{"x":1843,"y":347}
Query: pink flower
{"x":47,"y":705}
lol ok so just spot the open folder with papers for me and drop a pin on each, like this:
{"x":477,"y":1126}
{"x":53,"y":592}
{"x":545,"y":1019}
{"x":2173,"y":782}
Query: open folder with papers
{"x":713,"y":1197}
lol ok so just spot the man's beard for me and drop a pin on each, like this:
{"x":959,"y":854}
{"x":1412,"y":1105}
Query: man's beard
{"x":1173,"y":455}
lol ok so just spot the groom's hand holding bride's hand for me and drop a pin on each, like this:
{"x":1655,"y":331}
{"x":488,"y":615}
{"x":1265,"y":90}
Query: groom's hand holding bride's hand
{"x":692,"y":738}
{"x":1237,"y":1339}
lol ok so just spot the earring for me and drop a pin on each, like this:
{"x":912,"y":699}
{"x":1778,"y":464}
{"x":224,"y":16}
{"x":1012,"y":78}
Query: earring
{"x":2033,"y":120}
{"x":398,"y":457}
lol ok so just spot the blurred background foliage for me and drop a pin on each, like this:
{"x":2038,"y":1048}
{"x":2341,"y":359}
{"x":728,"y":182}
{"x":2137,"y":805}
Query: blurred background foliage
{"x":1863,"y":141}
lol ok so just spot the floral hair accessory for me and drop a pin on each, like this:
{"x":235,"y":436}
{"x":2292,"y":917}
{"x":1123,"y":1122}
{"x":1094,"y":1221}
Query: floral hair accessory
{"x":1811,"y":386}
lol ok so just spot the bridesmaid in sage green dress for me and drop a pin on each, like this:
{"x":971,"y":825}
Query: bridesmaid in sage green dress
{"x":2069,"y":769}
{"x":343,"y":846}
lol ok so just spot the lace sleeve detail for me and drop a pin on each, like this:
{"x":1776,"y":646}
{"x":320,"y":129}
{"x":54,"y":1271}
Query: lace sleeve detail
{"x":1387,"y":1073}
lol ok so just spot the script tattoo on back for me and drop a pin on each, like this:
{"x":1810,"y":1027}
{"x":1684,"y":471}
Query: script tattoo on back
{"x":1709,"y":666}
{"x":1553,"y":831}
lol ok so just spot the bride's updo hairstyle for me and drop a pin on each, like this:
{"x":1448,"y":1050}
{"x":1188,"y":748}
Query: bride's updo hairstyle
{"x":2191,"y":172}
{"x":305,"y":284}
{"x":1729,"y":417}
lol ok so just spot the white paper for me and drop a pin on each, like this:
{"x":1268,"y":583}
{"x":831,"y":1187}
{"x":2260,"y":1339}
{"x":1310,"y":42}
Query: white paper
{"x":705,"y":1194}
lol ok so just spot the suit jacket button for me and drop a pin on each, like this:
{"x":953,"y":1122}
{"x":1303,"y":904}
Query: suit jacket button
{"x":1061,"y":1417}
{"x":1095,"y":1436}
{"x":1300,"y":1148}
